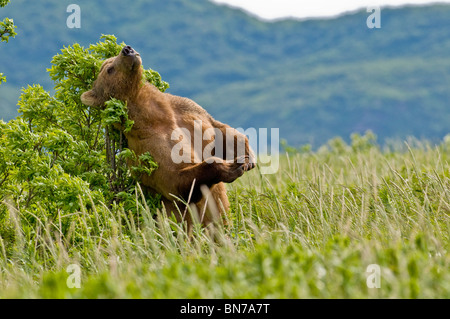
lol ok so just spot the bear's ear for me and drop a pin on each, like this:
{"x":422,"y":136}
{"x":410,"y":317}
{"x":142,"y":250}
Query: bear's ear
{"x":90,"y":98}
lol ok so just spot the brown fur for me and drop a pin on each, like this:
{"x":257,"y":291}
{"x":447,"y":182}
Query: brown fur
{"x":156,"y":115}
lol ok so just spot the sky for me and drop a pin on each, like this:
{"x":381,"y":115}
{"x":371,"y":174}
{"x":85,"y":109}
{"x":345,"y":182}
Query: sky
{"x":275,"y":9}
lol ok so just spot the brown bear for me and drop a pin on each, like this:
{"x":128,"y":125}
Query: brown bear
{"x":159,"y":119}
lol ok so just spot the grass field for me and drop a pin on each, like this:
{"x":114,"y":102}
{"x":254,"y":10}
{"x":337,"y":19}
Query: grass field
{"x":309,"y":231}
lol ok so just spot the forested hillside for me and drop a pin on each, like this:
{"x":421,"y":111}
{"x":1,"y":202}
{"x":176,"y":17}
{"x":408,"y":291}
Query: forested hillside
{"x":313,"y":79}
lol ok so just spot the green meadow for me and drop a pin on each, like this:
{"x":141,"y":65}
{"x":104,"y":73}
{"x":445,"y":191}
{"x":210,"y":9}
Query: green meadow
{"x":309,"y":231}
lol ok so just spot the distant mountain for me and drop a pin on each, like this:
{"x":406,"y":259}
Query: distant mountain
{"x":313,"y":79}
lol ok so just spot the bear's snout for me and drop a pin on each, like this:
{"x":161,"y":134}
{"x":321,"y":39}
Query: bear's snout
{"x":128,"y":51}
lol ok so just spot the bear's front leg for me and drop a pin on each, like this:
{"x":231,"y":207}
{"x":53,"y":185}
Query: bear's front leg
{"x":235,"y":146}
{"x":210,"y":172}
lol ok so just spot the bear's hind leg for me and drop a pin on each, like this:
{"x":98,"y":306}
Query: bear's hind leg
{"x":214,"y":204}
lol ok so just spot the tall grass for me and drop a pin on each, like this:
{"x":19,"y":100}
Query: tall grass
{"x":308,"y":231}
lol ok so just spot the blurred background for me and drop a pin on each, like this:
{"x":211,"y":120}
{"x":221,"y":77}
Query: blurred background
{"x":310,"y":68}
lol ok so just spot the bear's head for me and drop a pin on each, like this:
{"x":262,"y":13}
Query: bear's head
{"x":120,"y":77}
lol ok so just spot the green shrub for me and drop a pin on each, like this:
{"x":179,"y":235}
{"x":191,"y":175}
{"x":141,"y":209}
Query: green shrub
{"x":58,"y":153}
